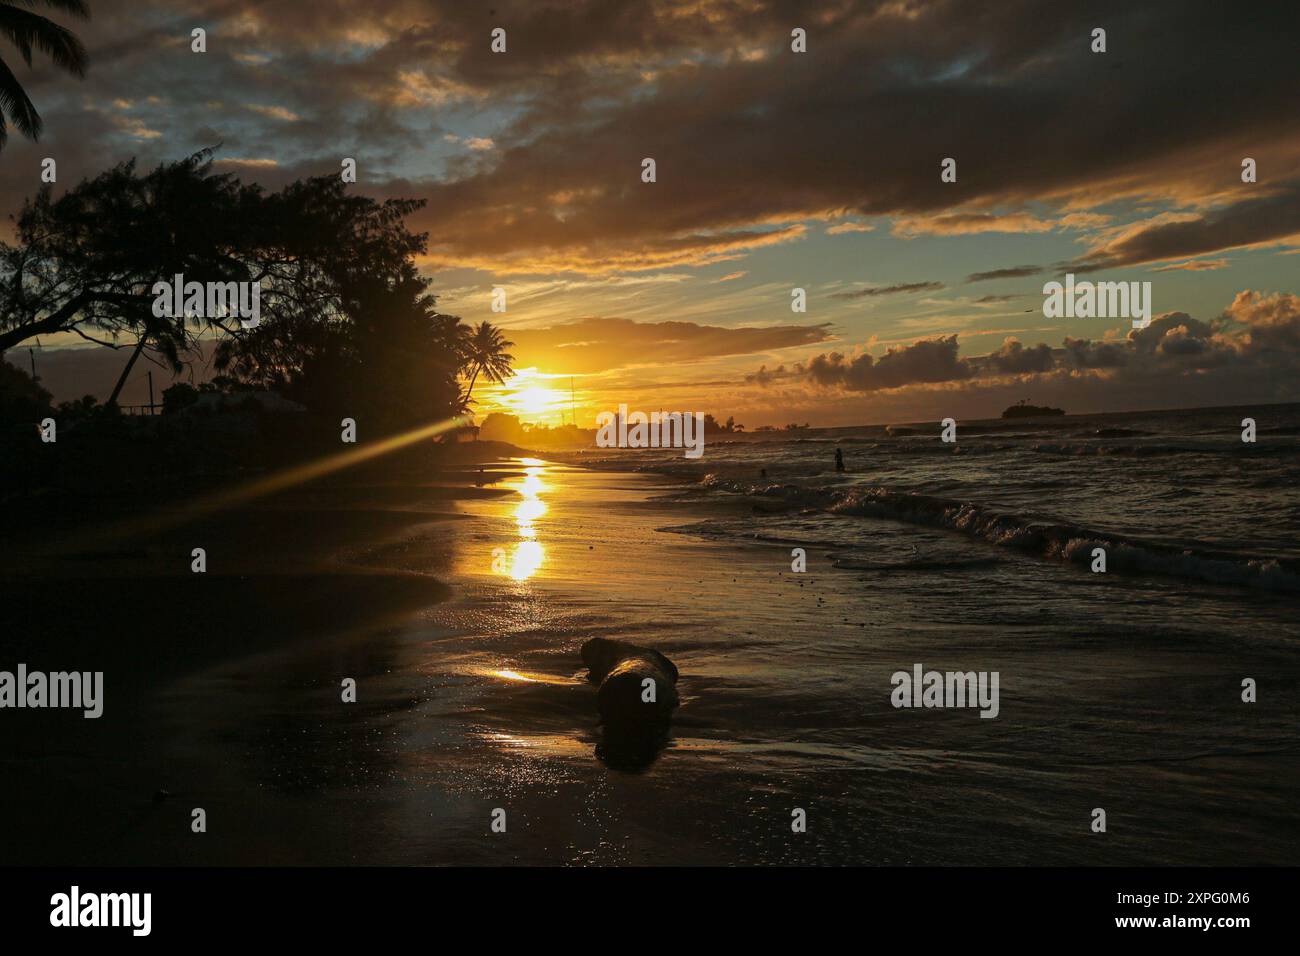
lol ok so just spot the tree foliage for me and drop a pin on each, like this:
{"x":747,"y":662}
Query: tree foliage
{"x":347,"y":322}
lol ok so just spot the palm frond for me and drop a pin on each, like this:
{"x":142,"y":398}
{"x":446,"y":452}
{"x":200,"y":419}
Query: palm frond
{"x":27,"y":30}
{"x":77,"y":8}
{"x":15,"y":104}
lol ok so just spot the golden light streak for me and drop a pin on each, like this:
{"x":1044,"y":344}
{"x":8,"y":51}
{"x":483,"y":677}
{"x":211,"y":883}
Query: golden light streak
{"x":534,"y":678}
{"x":288,"y":478}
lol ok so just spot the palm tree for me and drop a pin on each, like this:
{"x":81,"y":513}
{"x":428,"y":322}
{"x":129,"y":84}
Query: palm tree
{"x":485,"y":352}
{"x":27,"y":30}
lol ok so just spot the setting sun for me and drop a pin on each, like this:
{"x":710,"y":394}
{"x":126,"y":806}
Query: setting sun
{"x":528,"y":396}
{"x":535,"y":401}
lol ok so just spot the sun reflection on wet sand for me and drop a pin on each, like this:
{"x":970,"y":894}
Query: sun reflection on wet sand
{"x":528,"y":678}
{"x":526,"y":557}
{"x":537,"y":745}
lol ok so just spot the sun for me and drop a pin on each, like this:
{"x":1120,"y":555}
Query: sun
{"x":536,"y":400}
{"x":526,"y":396}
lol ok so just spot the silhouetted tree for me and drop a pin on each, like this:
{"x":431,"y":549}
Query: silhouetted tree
{"x":370,"y":341}
{"x":499,"y":426}
{"x":21,"y":397}
{"x":347,"y":323}
{"x":485,"y":354}
{"x":87,"y":261}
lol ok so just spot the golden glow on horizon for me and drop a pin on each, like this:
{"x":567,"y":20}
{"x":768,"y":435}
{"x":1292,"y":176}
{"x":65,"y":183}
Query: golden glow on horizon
{"x":529,"y":397}
{"x":536,"y":400}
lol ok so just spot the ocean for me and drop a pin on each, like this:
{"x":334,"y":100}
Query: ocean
{"x":1176,"y":494}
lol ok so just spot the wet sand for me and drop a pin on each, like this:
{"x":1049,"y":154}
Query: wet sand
{"x":459,"y":611}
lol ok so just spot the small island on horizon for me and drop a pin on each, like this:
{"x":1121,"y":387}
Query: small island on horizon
{"x":1022,"y":409}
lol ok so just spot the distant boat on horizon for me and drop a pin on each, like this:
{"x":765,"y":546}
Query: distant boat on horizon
{"x":1023,"y":410}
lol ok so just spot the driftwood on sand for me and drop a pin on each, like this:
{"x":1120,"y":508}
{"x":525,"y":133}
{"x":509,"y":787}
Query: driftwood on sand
{"x":638,"y":685}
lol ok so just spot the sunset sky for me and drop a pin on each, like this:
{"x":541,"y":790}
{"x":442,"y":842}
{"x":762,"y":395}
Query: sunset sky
{"x":775,"y":170}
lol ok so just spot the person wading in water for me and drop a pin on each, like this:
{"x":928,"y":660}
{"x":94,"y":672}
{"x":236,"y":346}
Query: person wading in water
{"x":839,"y":459}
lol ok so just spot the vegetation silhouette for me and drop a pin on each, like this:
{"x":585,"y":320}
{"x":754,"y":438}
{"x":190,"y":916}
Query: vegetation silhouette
{"x":347,"y":328}
{"x":485,"y":353}
{"x":347,"y":322}
{"x":27,"y":31}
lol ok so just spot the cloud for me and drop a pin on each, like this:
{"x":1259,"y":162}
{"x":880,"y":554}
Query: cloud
{"x":974,"y":223}
{"x":1251,"y":222}
{"x":1014,"y":358}
{"x":263,"y":163}
{"x":1268,"y":324}
{"x":1152,"y":338}
{"x":888,"y":290}
{"x":602,"y":256}
{"x":1086,"y":354}
{"x":840,"y":228}
{"x":766,"y":376}
{"x":274,"y":112}
{"x":929,"y":360}
{"x":1253,"y":346}
{"x":1196,"y":265}
{"x":1014,"y":272}
{"x":750,"y":149}
{"x":600,"y":344}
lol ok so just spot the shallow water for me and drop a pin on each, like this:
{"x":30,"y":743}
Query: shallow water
{"x":1119,"y":691}
{"x":1176,"y":493}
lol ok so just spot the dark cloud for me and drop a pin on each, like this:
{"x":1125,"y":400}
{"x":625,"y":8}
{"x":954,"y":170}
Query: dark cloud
{"x":1251,"y":222}
{"x":766,"y":376}
{"x":749,"y":138}
{"x":888,"y":290}
{"x":1269,"y":325}
{"x":1150,"y":339}
{"x":1085,"y":354}
{"x":1255,"y":343}
{"x":929,"y":360}
{"x":1014,"y":358}
{"x":1014,"y":272}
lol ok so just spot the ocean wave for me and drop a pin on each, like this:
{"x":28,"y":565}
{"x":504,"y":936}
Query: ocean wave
{"x":1146,"y":449}
{"x":1117,"y":433}
{"x":1074,"y":543}
{"x":918,"y":564}
{"x":1047,"y":540}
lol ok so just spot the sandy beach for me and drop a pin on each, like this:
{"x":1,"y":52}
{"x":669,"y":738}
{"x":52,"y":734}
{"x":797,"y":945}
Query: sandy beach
{"x":458,"y":604}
